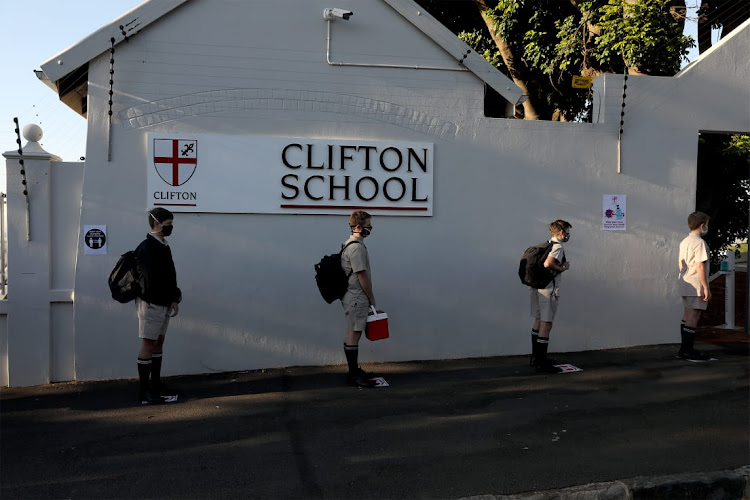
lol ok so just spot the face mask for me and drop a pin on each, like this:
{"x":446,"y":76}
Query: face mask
{"x":566,"y":237}
{"x":366,"y":231}
{"x":704,"y":230}
{"x":166,"y":230}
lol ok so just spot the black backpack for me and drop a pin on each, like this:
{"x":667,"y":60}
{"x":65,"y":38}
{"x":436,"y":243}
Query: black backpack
{"x":126,"y":280}
{"x":330,"y":276}
{"x":531,"y":269}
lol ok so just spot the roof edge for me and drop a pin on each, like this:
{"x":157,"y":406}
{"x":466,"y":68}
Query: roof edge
{"x":446,"y":39}
{"x":79,"y":54}
{"x":735,"y":32}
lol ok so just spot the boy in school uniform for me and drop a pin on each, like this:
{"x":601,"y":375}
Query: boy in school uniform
{"x":544,"y":301}
{"x":157,"y":303}
{"x":693,"y":268}
{"x":359,"y":296}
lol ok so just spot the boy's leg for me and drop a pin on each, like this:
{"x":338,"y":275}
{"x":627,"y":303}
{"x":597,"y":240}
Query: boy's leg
{"x":535,"y":313}
{"x":356,"y":375}
{"x":145,"y":360}
{"x":691,"y":317}
{"x":547,"y":309}
{"x":351,"y":349}
{"x":688,"y":327}
{"x":152,"y":326}
{"x":544,"y":362}
{"x":157,"y":388}
{"x":355,"y":314}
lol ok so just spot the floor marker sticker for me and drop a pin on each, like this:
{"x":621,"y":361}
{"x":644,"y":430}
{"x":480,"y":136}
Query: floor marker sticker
{"x":567,"y":368}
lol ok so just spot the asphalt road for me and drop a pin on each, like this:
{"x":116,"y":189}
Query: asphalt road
{"x":443,"y":429}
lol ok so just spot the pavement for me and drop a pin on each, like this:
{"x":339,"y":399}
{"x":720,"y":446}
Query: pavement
{"x":635,"y":423}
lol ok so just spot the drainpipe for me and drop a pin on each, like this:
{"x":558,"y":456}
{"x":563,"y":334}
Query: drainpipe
{"x":368,"y":65}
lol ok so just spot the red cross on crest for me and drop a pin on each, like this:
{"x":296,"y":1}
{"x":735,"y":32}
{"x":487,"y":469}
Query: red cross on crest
{"x":175,"y":160}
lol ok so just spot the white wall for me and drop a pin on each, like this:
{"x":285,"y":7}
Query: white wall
{"x":37,"y":332}
{"x":448,"y":282}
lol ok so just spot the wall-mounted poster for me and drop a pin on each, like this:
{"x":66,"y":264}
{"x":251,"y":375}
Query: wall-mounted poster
{"x":614,"y":212}
{"x":95,"y":239}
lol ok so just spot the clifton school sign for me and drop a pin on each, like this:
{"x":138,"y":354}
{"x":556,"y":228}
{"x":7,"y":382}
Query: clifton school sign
{"x":252,"y":174}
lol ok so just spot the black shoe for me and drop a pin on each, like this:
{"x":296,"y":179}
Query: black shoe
{"x":147,"y":398}
{"x":165,"y":392}
{"x":357,"y":380}
{"x":694,"y":356}
{"x":361,"y":373}
{"x":548,"y":366}
{"x":532,"y":361}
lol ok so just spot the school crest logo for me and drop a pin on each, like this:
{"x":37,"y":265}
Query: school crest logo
{"x":175,"y":160}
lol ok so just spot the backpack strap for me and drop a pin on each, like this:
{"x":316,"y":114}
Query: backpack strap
{"x":343,"y":247}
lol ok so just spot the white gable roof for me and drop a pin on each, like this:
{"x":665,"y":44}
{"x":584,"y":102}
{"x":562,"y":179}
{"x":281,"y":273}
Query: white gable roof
{"x":92,"y":46}
{"x":77,"y":56}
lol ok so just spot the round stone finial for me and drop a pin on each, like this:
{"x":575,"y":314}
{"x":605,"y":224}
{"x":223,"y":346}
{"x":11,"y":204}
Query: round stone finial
{"x":32,"y":132}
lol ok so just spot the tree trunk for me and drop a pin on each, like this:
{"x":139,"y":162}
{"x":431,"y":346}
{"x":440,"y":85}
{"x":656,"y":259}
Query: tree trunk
{"x":517,"y":68}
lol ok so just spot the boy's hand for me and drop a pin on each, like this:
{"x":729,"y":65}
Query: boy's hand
{"x":705,"y":293}
{"x":173,"y":309}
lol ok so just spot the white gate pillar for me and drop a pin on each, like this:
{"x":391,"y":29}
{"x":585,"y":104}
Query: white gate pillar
{"x":29,"y":262}
{"x":727,"y":269}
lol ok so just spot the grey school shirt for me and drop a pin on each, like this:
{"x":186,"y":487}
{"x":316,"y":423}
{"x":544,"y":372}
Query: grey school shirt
{"x":558,"y":252}
{"x":354,"y":259}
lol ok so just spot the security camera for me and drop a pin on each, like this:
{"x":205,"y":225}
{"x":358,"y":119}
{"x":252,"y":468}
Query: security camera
{"x":329,"y":14}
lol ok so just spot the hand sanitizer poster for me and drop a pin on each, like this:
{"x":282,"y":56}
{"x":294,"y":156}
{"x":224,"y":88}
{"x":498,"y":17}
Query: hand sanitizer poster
{"x":614,"y":212}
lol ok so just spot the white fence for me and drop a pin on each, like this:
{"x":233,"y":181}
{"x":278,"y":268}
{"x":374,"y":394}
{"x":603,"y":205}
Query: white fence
{"x":3,"y":248}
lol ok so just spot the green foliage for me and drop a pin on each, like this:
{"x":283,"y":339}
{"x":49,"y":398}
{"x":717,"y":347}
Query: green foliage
{"x":570,"y":47}
{"x":739,"y":146}
{"x":484,"y":46}
{"x":644,"y":34}
{"x":724,"y":190}
{"x":558,"y":40}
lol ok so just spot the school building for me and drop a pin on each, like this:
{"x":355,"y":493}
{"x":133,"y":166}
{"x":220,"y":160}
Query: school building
{"x":263,"y":124}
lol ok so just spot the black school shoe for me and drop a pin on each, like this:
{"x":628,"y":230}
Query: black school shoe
{"x":147,"y":398}
{"x":533,"y":363}
{"x":694,"y":356}
{"x":547,"y":366}
{"x":356,"y":379}
{"x":156,"y":398}
{"x":165,"y":392}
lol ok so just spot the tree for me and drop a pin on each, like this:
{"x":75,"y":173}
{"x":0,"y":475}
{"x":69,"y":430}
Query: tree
{"x":725,"y":15}
{"x":543,"y":44}
{"x":724,"y":190}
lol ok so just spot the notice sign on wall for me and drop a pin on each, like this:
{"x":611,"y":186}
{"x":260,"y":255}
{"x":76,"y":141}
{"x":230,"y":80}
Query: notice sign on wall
{"x":252,"y":174}
{"x":614,"y":212}
{"x":95,"y":239}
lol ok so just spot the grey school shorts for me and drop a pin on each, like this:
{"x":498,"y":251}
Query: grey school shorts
{"x":543,"y":304}
{"x":153,"y":320}
{"x":356,"y":308}
{"x":693,"y":302}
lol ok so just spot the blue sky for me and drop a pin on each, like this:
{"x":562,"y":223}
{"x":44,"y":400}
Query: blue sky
{"x":32,"y":35}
